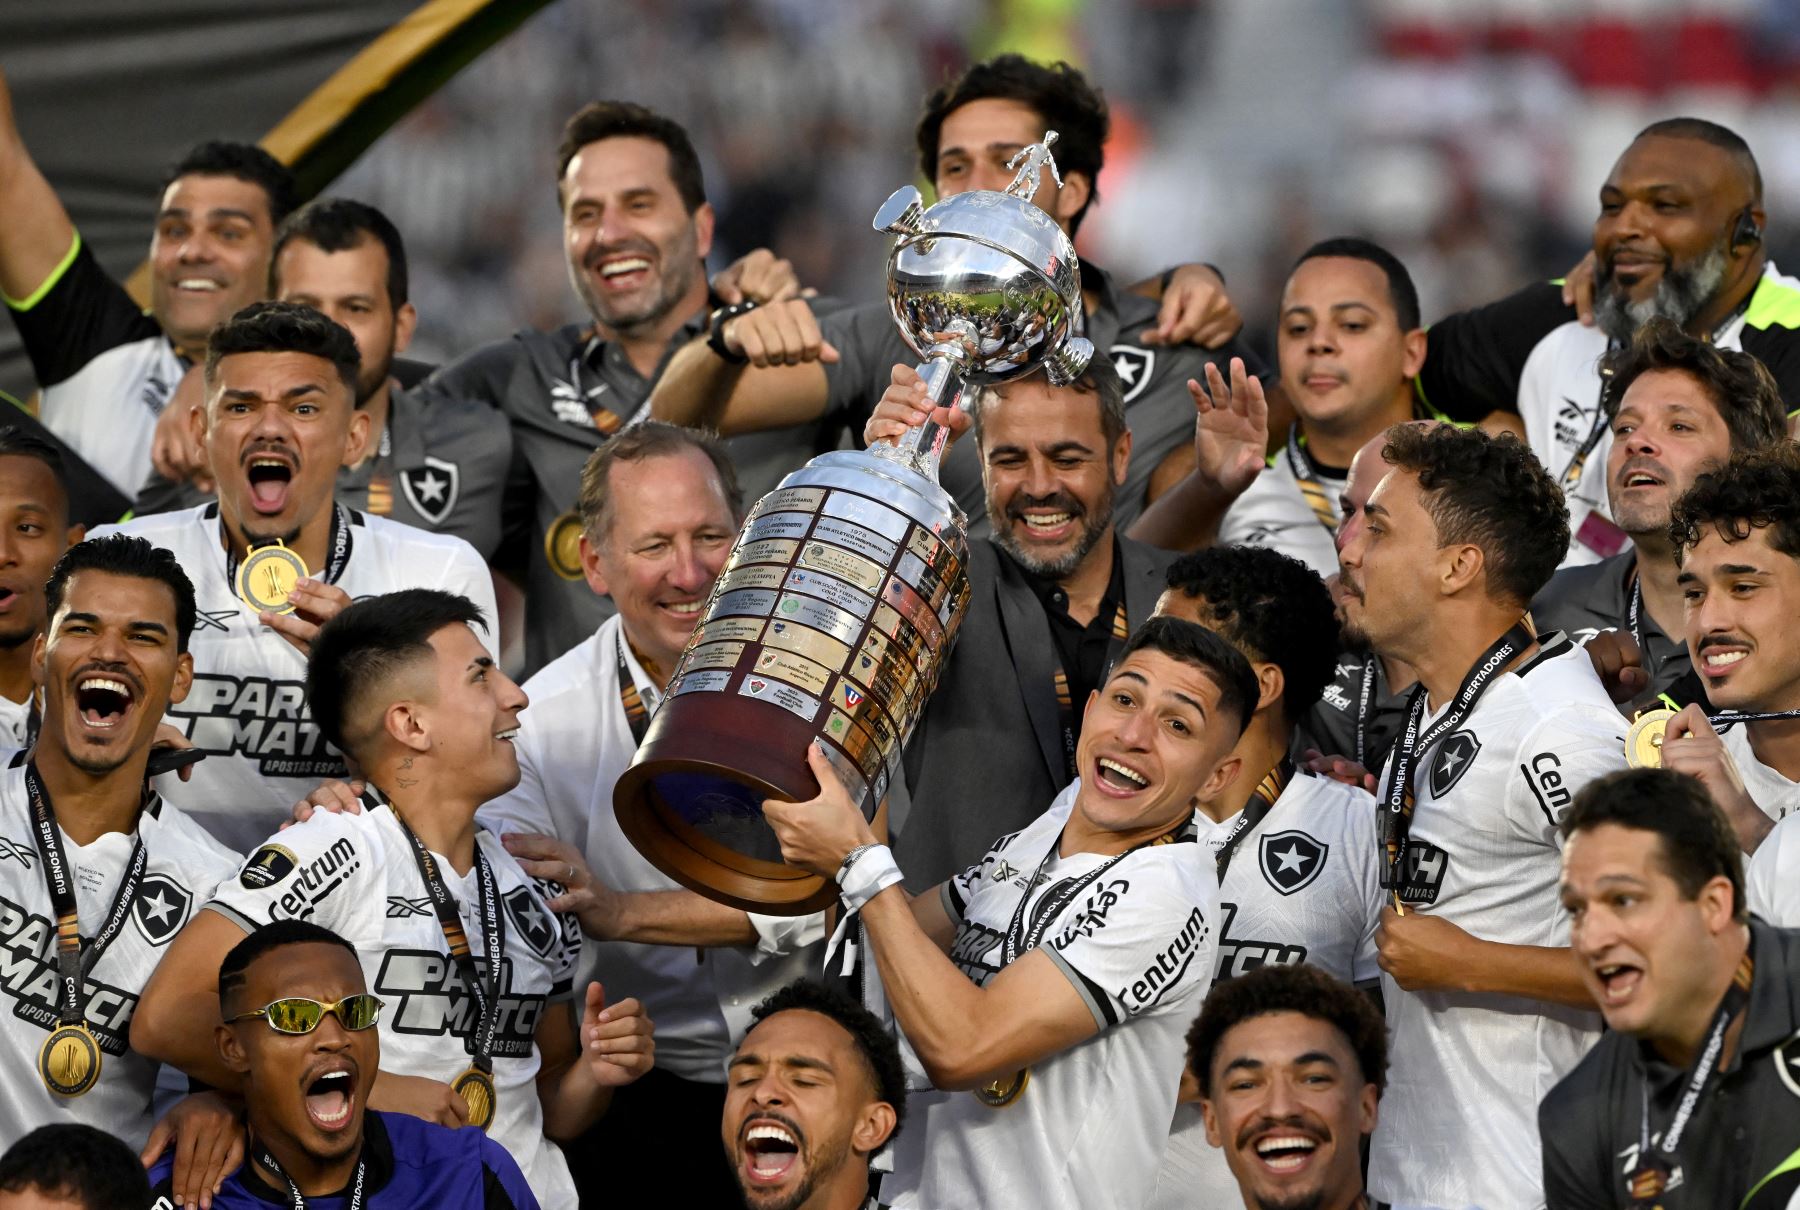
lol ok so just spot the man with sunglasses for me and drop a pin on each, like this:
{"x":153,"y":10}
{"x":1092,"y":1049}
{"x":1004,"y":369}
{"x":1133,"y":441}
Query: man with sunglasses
{"x":299,"y":1029}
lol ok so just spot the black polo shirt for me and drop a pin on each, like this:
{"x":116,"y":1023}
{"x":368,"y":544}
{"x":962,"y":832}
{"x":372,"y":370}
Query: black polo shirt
{"x":1081,"y":649}
{"x":1583,"y":601}
{"x":1741,"y":1149}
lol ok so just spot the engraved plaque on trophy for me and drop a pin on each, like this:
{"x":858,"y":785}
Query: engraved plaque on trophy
{"x":843,"y":594}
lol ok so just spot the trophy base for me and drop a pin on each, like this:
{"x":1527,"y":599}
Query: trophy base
{"x":700,"y":821}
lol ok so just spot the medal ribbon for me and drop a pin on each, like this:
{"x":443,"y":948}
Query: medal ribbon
{"x":1648,"y":1180}
{"x":340,"y":542}
{"x":295,"y":1201}
{"x":493,"y":938}
{"x":637,"y":714}
{"x":1365,"y":707}
{"x":73,"y":960}
{"x":1262,"y":801}
{"x":1017,"y":941}
{"x":1307,"y":480}
{"x":1397,"y":789}
{"x":1065,"y":698}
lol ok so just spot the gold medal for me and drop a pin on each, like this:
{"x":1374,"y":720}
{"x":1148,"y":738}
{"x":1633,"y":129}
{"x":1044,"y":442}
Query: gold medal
{"x":69,"y":1060}
{"x":1643,"y":743}
{"x":476,"y":1087}
{"x":998,"y":1094}
{"x":562,"y":545}
{"x":267,"y":576}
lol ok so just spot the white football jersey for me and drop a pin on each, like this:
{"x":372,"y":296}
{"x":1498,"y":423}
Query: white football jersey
{"x":1772,"y":875}
{"x":247,"y":708}
{"x":1769,"y":788}
{"x":1273,"y":514}
{"x":182,"y":866}
{"x":1466,"y":1072}
{"x":1088,"y":1130}
{"x":1303,"y":885}
{"x":15,"y":723}
{"x":357,"y":876}
{"x":573,"y":744}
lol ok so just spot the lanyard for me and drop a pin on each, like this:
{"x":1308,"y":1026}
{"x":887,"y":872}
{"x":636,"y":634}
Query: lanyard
{"x":339,"y":542}
{"x":1650,"y":1178}
{"x":1307,"y":479}
{"x":493,"y":939}
{"x":637,"y":714}
{"x":73,"y":960}
{"x":1067,"y":714}
{"x":1020,"y":941}
{"x":296,"y":1202}
{"x":1365,"y":707}
{"x":1262,"y":801}
{"x":1397,"y":793}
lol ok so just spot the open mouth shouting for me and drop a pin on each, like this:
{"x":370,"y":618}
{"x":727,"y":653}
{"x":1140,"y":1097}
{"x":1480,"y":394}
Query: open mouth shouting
{"x":1116,"y":779}
{"x":771,"y":1150}
{"x":1618,"y":980}
{"x":1285,"y":1150}
{"x":1641,"y":474}
{"x":270,"y":473}
{"x":330,"y":1091}
{"x":103,"y":700}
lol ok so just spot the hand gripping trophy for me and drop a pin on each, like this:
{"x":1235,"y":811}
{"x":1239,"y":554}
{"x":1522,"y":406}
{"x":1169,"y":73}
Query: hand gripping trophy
{"x":844,"y":592}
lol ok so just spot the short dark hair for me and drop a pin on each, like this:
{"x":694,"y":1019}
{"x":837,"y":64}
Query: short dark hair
{"x":1719,"y":136}
{"x":1698,"y":844}
{"x":1298,"y":988}
{"x":874,"y":1043}
{"x":622,"y":119}
{"x":1058,"y":93}
{"x":20,"y":442}
{"x":1759,"y":490}
{"x":1274,"y":608}
{"x":1491,"y":492}
{"x":74,"y":1162}
{"x":1191,"y":643}
{"x":1101,"y":379}
{"x":284,"y":327}
{"x":634,"y":443}
{"x":1401,"y":291}
{"x":246,"y":162}
{"x":234,"y":971}
{"x":125,"y":555}
{"x":338,"y":224}
{"x":1740,"y":387}
{"x":361,"y":649}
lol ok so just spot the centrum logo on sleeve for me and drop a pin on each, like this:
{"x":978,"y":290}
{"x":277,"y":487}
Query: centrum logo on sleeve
{"x":1170,"y":965}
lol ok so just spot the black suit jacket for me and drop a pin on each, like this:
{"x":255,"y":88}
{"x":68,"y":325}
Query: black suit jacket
{"x":986,"y":756}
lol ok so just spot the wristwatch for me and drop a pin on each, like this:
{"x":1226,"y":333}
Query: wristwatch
{"x":715,"y":336}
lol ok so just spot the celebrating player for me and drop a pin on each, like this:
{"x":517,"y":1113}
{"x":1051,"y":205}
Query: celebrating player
{"x":1045,"y":989}
{"x":275,"y":557}
{"x":34,"y":532}
{"x":402,"y":683}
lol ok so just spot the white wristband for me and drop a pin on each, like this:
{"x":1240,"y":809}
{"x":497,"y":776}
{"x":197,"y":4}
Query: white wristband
{"x":870,"y":870}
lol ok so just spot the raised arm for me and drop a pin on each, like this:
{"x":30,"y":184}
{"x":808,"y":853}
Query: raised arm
{"x":179,"y":1009}
{"x":36,"y":234}
{"x":780,"y":382}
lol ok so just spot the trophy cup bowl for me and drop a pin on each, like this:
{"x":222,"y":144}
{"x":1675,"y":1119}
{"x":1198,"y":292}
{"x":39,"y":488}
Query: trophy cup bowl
{"x":843,"y":594}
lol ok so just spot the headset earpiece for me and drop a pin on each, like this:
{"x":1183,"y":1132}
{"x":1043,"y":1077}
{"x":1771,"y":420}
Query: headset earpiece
{"x":1745,"y":233}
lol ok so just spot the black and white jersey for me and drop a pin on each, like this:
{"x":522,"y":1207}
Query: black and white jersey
{"x":1772,"y":875}
{"x":357,"y":876}
{"x":182,"y":866}
{"x":1138,"y":944}
{"x":247,"y":708}
{"x":1768,"y":787}
{"x":104,"y":369}
{"x":1459,"y":1118}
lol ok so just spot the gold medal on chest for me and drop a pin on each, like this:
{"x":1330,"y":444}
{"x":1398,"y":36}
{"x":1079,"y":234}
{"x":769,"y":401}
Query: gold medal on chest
{"x":476,"y":1088}
{"x":1643,"y":743}
{"x":69,"y":1060}
{"x":998,"y":1094}
{"x":266,"y":577}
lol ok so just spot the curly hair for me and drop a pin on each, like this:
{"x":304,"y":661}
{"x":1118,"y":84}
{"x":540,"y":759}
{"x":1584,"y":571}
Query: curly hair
{"x":873,"y":1041}
{"x":1740,"y":386}
{"x":1301,"y":989}
{"x":1490,"y":492}
{"x":1273,"y":608}
{"x":1759,"y":490}
{"x":1057,"y":93}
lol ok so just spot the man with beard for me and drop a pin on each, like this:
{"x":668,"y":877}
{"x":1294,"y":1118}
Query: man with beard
{"x":1501,"y":731}
{"x":817,"y":1090}
{"x":1678,"y":407}
{"x":275,"y":556}
{"x":780,"y":366}
{"x":1680,"y":237}
{"x":34,"y":532}
{"x":1054,"y":591}
{"x":442,"y":469}
{"x":1688,"y":1099}
{"x":299,"y":1030}
{"x":636,"y":232}
{"x":104,"y":368}
{"x":1291,"y":1065}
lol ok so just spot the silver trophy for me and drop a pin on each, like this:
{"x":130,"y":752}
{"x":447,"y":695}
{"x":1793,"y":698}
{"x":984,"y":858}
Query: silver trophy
{"x":844,"y":592}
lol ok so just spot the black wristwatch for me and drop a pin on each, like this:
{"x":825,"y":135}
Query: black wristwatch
{"x":715,"y":336}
